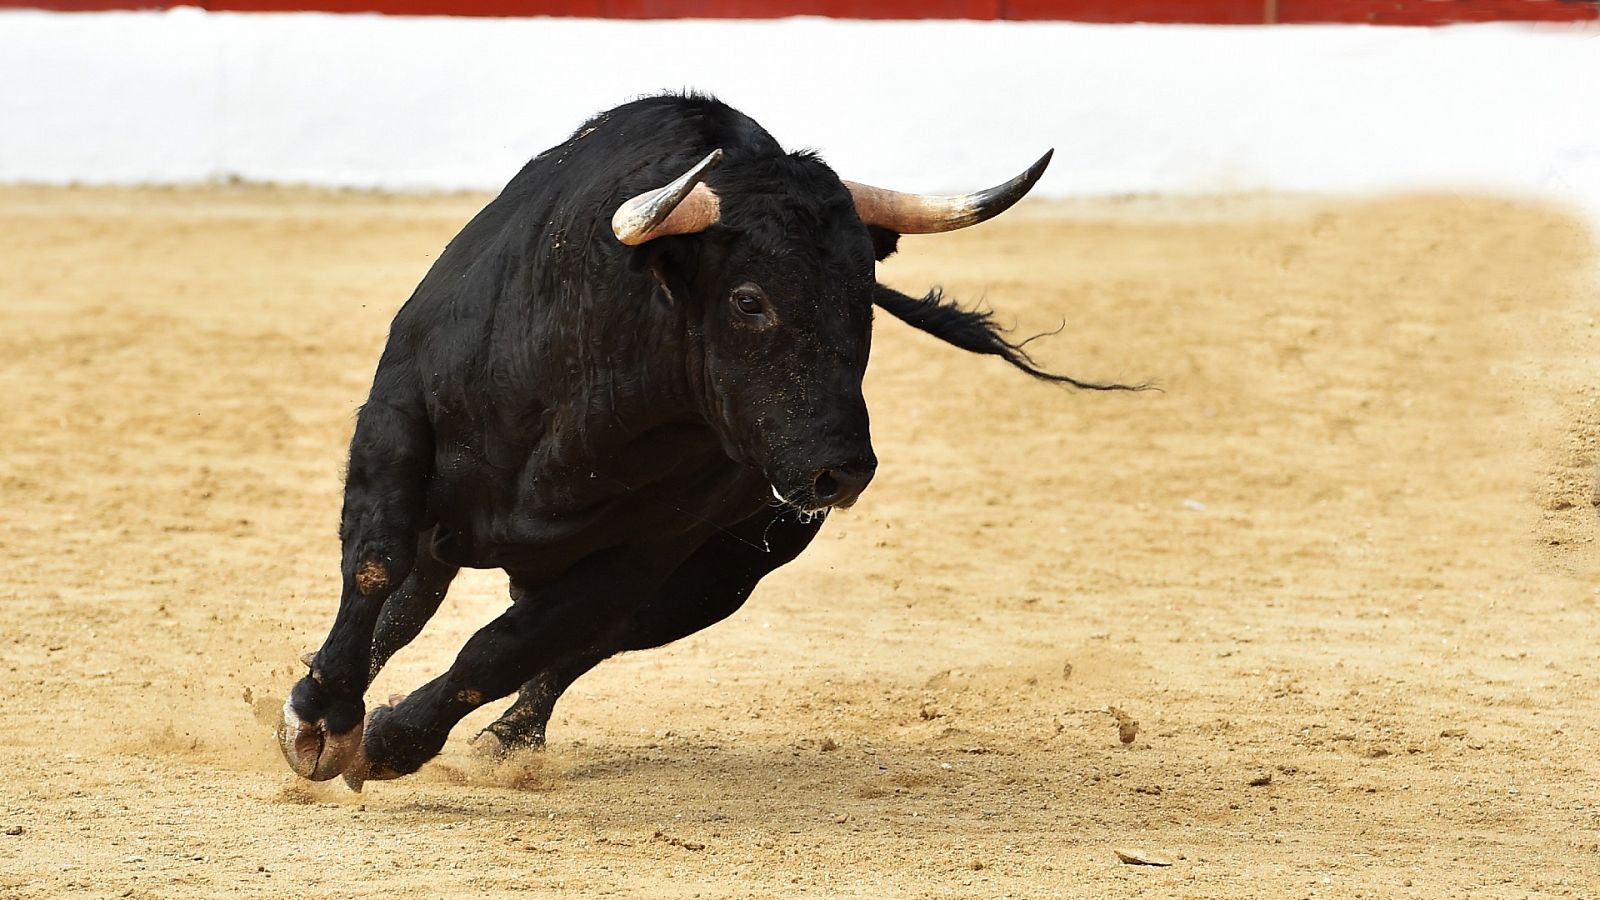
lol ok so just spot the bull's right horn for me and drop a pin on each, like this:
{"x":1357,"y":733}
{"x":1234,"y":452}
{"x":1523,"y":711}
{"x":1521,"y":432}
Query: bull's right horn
{"x":685,"y":206}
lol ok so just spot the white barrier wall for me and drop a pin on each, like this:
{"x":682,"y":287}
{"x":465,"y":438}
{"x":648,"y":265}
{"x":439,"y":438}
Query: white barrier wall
{"x":415,"y":103}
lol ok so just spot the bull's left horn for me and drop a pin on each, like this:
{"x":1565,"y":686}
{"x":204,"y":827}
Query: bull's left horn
{"x":685,"y":206}
{"x":923,"y":214}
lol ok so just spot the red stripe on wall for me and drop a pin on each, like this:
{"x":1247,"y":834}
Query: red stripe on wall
{"x":1433,"y":12}
{"x":1209,"y":12}
{"x":631,"y":9}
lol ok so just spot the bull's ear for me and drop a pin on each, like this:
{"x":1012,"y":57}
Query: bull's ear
{"x":670,"y":262}
{"x":884,"y":242}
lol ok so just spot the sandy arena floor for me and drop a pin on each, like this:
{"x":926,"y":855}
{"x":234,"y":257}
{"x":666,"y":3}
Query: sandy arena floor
{"x":1342,"y":572}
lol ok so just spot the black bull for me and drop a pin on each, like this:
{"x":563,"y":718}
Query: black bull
{"x":633,"y":382}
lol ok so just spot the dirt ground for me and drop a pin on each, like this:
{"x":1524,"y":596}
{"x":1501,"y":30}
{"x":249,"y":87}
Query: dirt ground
{"x":1342,"y":573}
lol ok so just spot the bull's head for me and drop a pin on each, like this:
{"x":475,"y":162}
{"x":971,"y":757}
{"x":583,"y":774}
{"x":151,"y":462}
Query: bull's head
{"x":778,"y":289}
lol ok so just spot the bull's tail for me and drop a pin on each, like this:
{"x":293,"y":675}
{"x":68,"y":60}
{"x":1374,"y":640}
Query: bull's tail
{"x":975,"y":331}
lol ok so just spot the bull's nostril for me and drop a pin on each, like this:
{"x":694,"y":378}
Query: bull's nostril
{"x":827,"y":487}
{"x":841,"y":485}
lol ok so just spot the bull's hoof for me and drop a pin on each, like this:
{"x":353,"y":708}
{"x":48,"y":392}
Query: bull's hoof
{"x":312,"y":752}
{"x":361,"y":769}
{"x":490,"y":744}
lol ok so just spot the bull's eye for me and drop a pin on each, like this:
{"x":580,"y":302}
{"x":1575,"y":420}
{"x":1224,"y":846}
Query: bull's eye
{"x":750,"y":302}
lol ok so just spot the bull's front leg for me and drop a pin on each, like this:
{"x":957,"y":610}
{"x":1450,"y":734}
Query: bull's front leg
{"x":390,"y":456}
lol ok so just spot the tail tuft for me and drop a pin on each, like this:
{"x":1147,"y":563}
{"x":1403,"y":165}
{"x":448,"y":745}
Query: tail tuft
{"x":975,"y":331}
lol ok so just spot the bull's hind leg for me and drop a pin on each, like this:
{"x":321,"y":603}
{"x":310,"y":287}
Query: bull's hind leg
{"x":595,"y":605}
{"x":708,"y":587}
{"x":390,"y":456}
{"x":522,"y":726}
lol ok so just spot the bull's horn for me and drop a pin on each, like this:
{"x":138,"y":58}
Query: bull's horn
{"x":922,"y":214}
{"x":685,"y":206}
